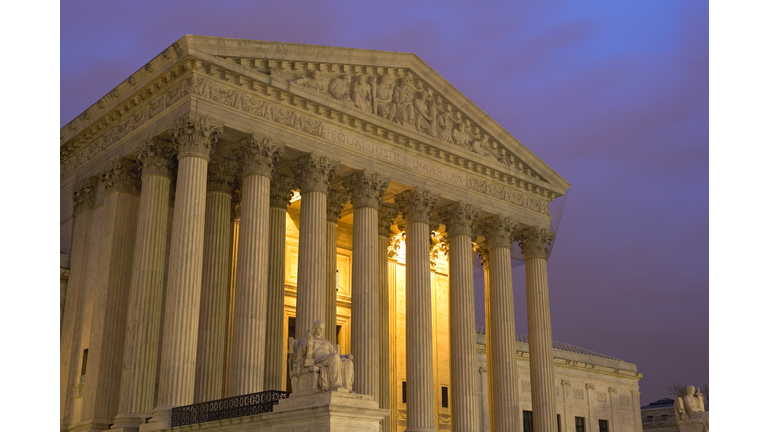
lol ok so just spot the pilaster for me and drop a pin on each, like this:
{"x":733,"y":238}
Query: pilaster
{"x":257,"y":155}
{"x":416,"y":205}
{"x":313,"y":174}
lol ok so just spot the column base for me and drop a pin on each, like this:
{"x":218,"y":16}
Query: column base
{"x":128,"y":422}
{"x":92,"y":426}
{"x":161,"y":419}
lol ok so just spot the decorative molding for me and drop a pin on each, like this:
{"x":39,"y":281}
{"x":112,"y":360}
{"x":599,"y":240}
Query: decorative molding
{"x":222,"y":173}
{"x":578,"y":393}
{"x":314,"y":173}
{"x":64,"y":275}
{"x":154,"y":156}
{"x":534,"y":242}
{"x":416,"y":205}
{"x":480,"y":247}
{"x":498,"y":231}
{"x":281,"y":191}
{"x":387,"y":215}
{"x":459,"y":218}
{"x":336,"y":201}
{"x":237,"y":197}
{"x":195,"y":135}
{"x":121,"y":175}
{"x":602,"y":397}
{"x":365,"y":188}
{"x":393,"y":248}
{"x":589,"y":386}
{"x":84,"y":193}
{"x":257,"y":155}
{"x":526,"y":385}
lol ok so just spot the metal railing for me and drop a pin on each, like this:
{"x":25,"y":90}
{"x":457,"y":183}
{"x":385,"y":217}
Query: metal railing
{"x":238,"y":406}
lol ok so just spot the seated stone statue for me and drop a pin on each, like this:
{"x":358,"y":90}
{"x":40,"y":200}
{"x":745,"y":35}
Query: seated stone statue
{"x":690,"y":413}
{"x":316,"y":364}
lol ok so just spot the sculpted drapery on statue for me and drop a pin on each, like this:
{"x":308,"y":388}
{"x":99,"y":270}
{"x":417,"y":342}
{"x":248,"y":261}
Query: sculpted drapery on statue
{"x":689,"y":411}
{"x":315,"y":355}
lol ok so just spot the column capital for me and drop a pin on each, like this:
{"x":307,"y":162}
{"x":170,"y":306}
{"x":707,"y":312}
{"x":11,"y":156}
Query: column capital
{"x":314,"y":173}
{"x":387,"y":215}
{"x":589,"y":386}
{"x":534,"y":242}
{"x":365,"y":188}
{"x":336,"y":201}
{"x":237,"y":196}
{"x":416,"y":204}
{"x":281,"y":191}
{"x":459,"y":218}
{"x":257,"y":155}
{"x":221,"y":174}
{"x":154,"y":157}
{"x":498,"y":231}
{"x":438,"y":243}
{"x":84,"y":193}
{"x":393,"y":246}
{"x":121,"y":175}
{"x":195,"y":135}
{"x":480,"y":247}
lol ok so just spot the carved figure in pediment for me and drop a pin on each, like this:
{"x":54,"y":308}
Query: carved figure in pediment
{"x":444,"y":127}
{"x":460,"y":136}
{"x":480,"y":146}
{"x":426,"y":113}
{"x":361,"y":94}
{"x":276,"y":72}
{"x":338,"y":88}
{"x":403,"y":98}
{"x":311,"y":80}
{"x":383,"y":92}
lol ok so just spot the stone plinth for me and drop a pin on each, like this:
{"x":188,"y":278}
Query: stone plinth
{"x":327,"y":411}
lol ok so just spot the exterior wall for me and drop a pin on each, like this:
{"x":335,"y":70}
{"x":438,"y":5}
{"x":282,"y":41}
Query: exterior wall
{"x":659,"y":419}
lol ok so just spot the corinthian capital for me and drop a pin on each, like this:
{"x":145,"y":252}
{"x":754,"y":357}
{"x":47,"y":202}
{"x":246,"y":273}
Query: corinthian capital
{"x":498,"y":231}
{"x":154,"y":157}
{"x":195,"y":135}
{"x":84,"y":193}
{"x":314,"y":173}
{"x":281,"y":191}
{"x":387,"y":215}
{"x":365,"y":188}
{"x":481,"y":249}
{"x":393,"y":246}
{"x":459,"y":218}
{"x":336,"y":201}
{"x":221,"y":174}
{"x":535,"y":242}
{"x":121,"y":175}
{"x":258,"y":155}
{"x":416,"y":205}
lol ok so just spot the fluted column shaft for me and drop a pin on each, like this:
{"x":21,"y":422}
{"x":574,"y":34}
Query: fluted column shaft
{"x":336,"y":201}
{"x":313,"y":174}
{"x":459,"y":220}
{"x":534,"y":243}
{"x":391,"y":286}
{"x":249,"y":322}
{"x":416,"y":206}
{"x":500,"y":324}
{"x":387,"y":215}
{"x":365,"y":189}
{"x":105,"y":351}
{"x":84,"y":197}
{"x":137,"y":383}
{"x":280,"y":192}
{"x":212,"y":333}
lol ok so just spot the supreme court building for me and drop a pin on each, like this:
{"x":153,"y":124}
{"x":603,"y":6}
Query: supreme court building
{"x":232,"y":192}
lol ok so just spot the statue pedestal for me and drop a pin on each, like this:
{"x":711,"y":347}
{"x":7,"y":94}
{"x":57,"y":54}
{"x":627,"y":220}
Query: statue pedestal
{"x":326,"y":412}
{"x":691,"y":426}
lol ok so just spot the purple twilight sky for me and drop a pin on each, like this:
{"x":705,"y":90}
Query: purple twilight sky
{"x":614,"y":96}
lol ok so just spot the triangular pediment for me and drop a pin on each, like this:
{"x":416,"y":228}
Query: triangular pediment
{"x":399,"y":88}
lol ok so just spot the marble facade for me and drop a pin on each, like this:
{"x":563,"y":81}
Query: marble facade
{"x":178,"y":186}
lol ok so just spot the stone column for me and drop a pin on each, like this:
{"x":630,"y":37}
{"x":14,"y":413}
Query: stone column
{"x":63,"y":281}
{"x":313,"y":174}
{"x":387,"y":366}
{"x":534,"y":243}
{"x":393,"y":249}
{"x":500,"y":324}
{"x":336,"y":201}
{"x":480,"y":246}
{"x":416,"y":206}
{"x":137,"y":384}
{"x":195,"y":138}
{"x":105,"y":351}
{"x":84,"y":197}
{"x":214,"y":293}
{"x":459,"y":219}
{"x":280,"y":194}
{"x":246,"y":371}
{"x":365,"y":191}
